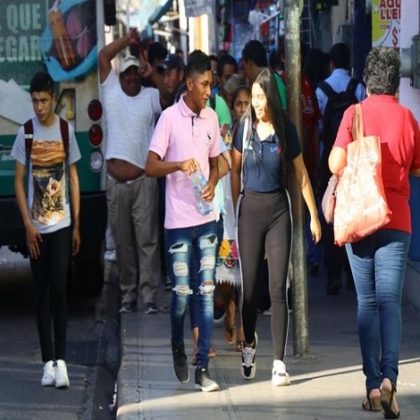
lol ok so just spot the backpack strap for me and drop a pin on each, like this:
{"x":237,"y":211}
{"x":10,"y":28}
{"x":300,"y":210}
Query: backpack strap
{"x":352,"y":86}
{"x":327,"y":89}
{"x":29,"y":138}
{"x":64,"y":129}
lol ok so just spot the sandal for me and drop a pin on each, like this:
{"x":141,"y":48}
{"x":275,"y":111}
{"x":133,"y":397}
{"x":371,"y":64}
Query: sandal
{"x":387,"y":398}
{"x":212,"y":352}
{"x":371,"y":403}
{"x":230,"y":334}
{"x":240,"y":345}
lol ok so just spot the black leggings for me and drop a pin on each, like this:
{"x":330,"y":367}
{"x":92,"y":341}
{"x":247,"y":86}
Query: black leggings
{"x":50,"y":273}
{"x":265,"y":229}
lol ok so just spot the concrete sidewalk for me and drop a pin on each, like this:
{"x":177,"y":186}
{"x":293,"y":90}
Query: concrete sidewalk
{"x":327,"y":384}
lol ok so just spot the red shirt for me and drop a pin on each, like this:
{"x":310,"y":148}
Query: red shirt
{"x":311,"y":114}
{"x":398,"y":130}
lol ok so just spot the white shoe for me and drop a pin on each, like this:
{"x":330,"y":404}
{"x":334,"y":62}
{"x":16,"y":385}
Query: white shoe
{"x":48,"y":379}
{"x":280,"y":377}
{"x":61,"y":377}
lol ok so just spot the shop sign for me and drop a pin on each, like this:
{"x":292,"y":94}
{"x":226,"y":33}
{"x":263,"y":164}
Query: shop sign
{"x":386,"y":18}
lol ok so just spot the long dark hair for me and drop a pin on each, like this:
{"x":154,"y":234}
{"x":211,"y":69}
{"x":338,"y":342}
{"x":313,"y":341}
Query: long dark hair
{"x":266,"y":79}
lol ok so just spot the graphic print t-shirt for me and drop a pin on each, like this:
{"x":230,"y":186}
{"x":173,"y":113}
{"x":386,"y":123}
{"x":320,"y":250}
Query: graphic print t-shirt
{"x":47,"y":190}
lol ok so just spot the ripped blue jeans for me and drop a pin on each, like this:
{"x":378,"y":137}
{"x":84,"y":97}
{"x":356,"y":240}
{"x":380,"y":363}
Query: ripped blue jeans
{"x":180,"y":242}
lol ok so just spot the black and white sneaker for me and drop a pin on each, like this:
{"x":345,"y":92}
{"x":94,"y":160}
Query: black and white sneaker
{"x":204,"y":382}
{"x":249,"y":366}
{"x":127,"y":307}
{"x":150,"y":308}
{"x":219,"y":313}
{"x":180,"y":362}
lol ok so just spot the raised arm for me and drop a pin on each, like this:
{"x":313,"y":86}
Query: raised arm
{"x":107,"y":54}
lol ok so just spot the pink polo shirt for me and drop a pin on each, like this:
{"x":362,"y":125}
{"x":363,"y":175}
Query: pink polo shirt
{"x":180,"y":135}
{"x":398,"y":130}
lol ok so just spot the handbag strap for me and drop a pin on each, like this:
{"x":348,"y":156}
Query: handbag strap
{"x":244,"y":149}
{"x":357,"y":127}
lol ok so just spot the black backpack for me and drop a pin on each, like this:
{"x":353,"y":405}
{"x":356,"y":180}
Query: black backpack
{"x":336,"y":105}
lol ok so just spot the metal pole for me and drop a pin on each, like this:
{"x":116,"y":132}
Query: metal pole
{"x":293,"y":9}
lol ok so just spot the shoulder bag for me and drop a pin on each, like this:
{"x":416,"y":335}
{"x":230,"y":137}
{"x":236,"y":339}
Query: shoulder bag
{"x":361,"y":208}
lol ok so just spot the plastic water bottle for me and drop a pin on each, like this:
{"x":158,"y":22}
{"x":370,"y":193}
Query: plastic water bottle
{"x":198,"y":182}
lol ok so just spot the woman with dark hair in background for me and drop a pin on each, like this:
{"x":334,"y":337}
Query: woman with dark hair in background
{"x":269,"y":147}
{"x":378,"y":261}
{"x":228,"y":276}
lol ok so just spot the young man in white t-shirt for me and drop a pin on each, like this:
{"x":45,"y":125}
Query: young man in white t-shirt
{"x":186,"y":139}
{"x":51,"y":219}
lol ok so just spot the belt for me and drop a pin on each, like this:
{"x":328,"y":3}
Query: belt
{"x":130,"y":181}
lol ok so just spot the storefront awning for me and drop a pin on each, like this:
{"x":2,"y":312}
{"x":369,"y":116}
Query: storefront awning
{"x":152,"y":11}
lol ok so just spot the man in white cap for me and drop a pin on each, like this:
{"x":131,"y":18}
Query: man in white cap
{"x":131,"y":111}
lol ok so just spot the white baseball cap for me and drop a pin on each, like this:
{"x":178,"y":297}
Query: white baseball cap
{"x":129,"y":61}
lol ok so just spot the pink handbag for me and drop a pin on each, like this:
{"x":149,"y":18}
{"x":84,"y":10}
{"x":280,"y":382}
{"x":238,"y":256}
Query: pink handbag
{"x":361,"y":206}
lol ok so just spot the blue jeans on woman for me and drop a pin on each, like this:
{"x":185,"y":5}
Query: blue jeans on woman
{"x":203,"y":240}
{"x":378,"y":265}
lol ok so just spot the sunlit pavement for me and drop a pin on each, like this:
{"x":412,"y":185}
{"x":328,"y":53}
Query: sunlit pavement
{"x":326,"y":384}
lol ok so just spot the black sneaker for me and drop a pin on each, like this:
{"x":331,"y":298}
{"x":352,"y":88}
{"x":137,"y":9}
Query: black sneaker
{"x":180,"y":362}
{"x":204,"y":382}
{"x":333,"y":285}
{"x":249,"y":367}
{"x":128,"y":307}
{"x":219,"y":313}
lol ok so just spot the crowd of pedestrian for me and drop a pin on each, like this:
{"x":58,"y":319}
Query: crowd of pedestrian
{"x":199,"y":161}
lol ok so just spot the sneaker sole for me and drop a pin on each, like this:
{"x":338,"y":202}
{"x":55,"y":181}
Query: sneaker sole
{"x":62,"y":384}
{"x":151,"y":311}
{"x":48,"y":383}
{"x":211,"y":388}
{"x":183,"y":381}
{"x":219,"y":321}
{"x":281,"y":381}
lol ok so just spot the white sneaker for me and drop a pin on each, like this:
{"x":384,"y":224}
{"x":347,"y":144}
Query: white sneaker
{"x":61,"y":377}
{"x":280,"y":377}
{"x":48,"y":379}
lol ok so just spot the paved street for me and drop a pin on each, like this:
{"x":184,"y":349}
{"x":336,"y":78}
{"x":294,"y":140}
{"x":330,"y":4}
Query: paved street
{"x":21,"y":395}
{"x":326,"y":384}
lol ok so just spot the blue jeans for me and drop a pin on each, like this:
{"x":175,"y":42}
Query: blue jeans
{"x":203,"y":240}
{"x":378,"y":265}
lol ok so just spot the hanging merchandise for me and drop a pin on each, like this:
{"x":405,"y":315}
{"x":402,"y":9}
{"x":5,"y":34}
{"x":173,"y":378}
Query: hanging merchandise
{"x":241,"y":28}
{"x":265,"y":21}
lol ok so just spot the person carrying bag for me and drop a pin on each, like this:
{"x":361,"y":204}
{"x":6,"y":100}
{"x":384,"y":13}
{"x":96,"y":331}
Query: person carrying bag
{"x":378,"y":260}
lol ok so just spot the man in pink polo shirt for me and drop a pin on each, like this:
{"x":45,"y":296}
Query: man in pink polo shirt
{"x":186,"y":139}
